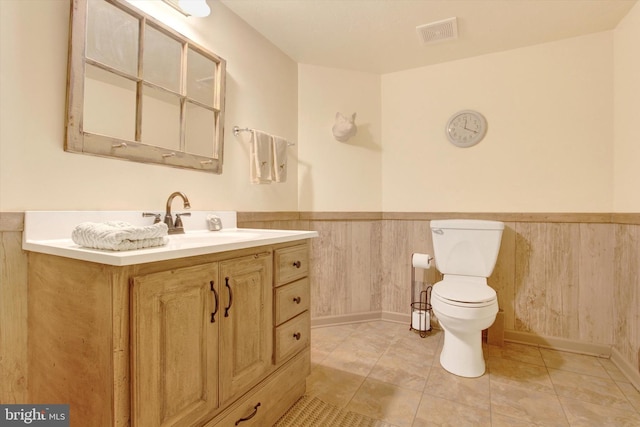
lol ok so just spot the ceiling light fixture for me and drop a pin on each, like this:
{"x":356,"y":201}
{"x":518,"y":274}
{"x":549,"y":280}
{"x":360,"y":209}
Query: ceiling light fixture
{"x":197,"y":8}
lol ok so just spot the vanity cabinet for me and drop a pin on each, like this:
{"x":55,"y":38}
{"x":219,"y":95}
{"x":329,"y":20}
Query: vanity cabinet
{"x":174,"y":348}
{"x":202,"y":341}
{"x":245,"y":323}
{"x":292,"y":319}
{"x":196,"y":331}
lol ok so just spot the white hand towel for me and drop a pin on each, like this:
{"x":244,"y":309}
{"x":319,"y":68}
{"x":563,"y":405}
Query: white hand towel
{"x":279,"y":159}
{"x":261,"y":158}
{"x":119,"y":236}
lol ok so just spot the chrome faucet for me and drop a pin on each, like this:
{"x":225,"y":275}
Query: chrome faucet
{"x":176,"y":227}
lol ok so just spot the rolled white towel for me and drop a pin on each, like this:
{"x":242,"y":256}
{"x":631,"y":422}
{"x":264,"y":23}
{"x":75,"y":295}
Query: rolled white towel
{"x":119,"y":236}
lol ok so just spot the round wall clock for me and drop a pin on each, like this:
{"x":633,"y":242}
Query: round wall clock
{"x":466,"y":128}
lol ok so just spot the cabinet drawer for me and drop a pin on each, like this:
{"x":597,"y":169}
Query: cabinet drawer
{"x":291,"y":337}
{"x":291,"y":264}
{"x":272,"y":399}
{"x":291,"y":300}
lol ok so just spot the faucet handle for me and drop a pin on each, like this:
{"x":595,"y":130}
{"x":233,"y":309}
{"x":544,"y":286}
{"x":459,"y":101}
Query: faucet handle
{"x":178,"y":223}
{"x":157,"y":216}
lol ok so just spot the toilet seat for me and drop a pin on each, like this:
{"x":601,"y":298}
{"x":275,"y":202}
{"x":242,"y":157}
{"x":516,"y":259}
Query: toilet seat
{"x":464,"y":293}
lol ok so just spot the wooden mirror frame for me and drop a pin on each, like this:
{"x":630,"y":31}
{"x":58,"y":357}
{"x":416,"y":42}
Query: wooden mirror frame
{"x":78,"y":140}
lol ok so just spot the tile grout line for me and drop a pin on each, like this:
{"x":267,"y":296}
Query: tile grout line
{"x":368,"y":373}
{"x":426,"y":381}
{"x":488,"y":371}
{"x":616,"y":382}
{"x":546,"y":367}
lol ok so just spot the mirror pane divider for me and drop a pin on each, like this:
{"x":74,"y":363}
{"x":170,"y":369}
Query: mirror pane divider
{"x":219,"y":100}
{"x":140,"y":83}
{"x":183,"y":100}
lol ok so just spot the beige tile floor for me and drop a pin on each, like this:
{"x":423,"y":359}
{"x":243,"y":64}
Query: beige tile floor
{"x":385,"y":371}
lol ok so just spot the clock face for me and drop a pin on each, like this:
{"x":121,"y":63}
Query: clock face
{"x":466,"y":128}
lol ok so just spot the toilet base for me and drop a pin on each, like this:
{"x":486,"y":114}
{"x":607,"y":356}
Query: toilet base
{"x":462,"y":354}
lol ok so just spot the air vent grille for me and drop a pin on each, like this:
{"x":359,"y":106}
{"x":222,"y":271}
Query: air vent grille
{"x":447,"y":29}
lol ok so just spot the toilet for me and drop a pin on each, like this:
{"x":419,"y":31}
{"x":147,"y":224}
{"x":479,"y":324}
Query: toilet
{"x":465,"y":253}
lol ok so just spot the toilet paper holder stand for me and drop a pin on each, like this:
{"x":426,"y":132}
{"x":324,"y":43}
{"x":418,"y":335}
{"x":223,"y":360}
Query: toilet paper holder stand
{"x":420,"y":309}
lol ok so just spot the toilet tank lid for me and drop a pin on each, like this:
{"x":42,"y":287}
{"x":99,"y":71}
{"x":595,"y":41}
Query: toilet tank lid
{"x":467,"y":224}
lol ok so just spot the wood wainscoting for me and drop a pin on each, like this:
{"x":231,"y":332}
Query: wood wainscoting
{"x":561,"y":277}
{"x":13,"y":309}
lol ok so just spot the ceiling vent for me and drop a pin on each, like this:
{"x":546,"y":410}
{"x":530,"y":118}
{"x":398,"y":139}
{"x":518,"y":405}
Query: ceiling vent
{"x":447,"y":29}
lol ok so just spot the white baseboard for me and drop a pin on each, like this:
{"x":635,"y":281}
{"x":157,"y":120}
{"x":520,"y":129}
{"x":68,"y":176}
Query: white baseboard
{"x":345,"y":319}
{"x":390,"y":316}
{"x":626,"y":368}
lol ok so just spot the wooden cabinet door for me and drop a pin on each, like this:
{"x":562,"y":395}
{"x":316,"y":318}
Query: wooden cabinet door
{"x":246,"y":322}
{"x":174,"y":346}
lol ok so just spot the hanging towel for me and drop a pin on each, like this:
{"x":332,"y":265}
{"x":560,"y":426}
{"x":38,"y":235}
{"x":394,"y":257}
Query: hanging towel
{"x":261,"y":158}
{"x":279,"y":159}
{"x":119,"y":236}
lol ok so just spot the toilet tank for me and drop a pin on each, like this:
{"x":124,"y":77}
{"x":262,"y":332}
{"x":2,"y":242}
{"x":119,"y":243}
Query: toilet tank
{"x":466,"y":247}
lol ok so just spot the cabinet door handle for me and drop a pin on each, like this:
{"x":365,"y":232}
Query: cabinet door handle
{"x":226,"y":310}
{"x":297,"y":300}
{"x":297,"y":264}
{"x":253,"y":414}
{"x":215,"y":296}
{"x":297,"y":336}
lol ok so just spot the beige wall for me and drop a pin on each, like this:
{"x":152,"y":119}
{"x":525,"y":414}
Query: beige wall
{"x":561,"y":132}
{"x":35,"y":172}
{"x":627,"y":113}
{"x":549,"y":143}
{"x":334,"y":175}
{"x":549,"y":148}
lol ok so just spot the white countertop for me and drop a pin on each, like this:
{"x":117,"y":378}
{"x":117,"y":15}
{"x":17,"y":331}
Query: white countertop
{"x":49,"y":232}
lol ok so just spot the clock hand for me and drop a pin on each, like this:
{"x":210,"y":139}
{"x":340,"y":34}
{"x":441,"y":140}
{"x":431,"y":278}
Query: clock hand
{"x":466,"y":128}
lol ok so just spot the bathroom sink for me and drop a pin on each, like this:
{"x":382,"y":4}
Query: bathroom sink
{"x":206,"y":238}
{"x":49,"y":232}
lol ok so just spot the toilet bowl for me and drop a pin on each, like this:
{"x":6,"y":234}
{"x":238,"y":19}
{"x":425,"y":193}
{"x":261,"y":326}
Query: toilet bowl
{"x":465,"y":252}
{"x":463,"y":322}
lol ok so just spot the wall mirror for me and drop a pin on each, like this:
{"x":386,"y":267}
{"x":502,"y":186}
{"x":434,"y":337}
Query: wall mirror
{"x":140,"y":91}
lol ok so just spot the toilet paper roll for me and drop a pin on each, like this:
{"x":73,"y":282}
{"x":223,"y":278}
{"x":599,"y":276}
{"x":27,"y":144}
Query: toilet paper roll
{"x":420,"y":320}
{"x":421,"y":260}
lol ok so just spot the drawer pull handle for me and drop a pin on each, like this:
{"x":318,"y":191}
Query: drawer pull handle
{"x":297,"y":300}
{"x":297,"y":264}
{"x":215,"y":294}
{"x":226,"y":310}
{"x":253,"y":414}
{"x":297,"y":336}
